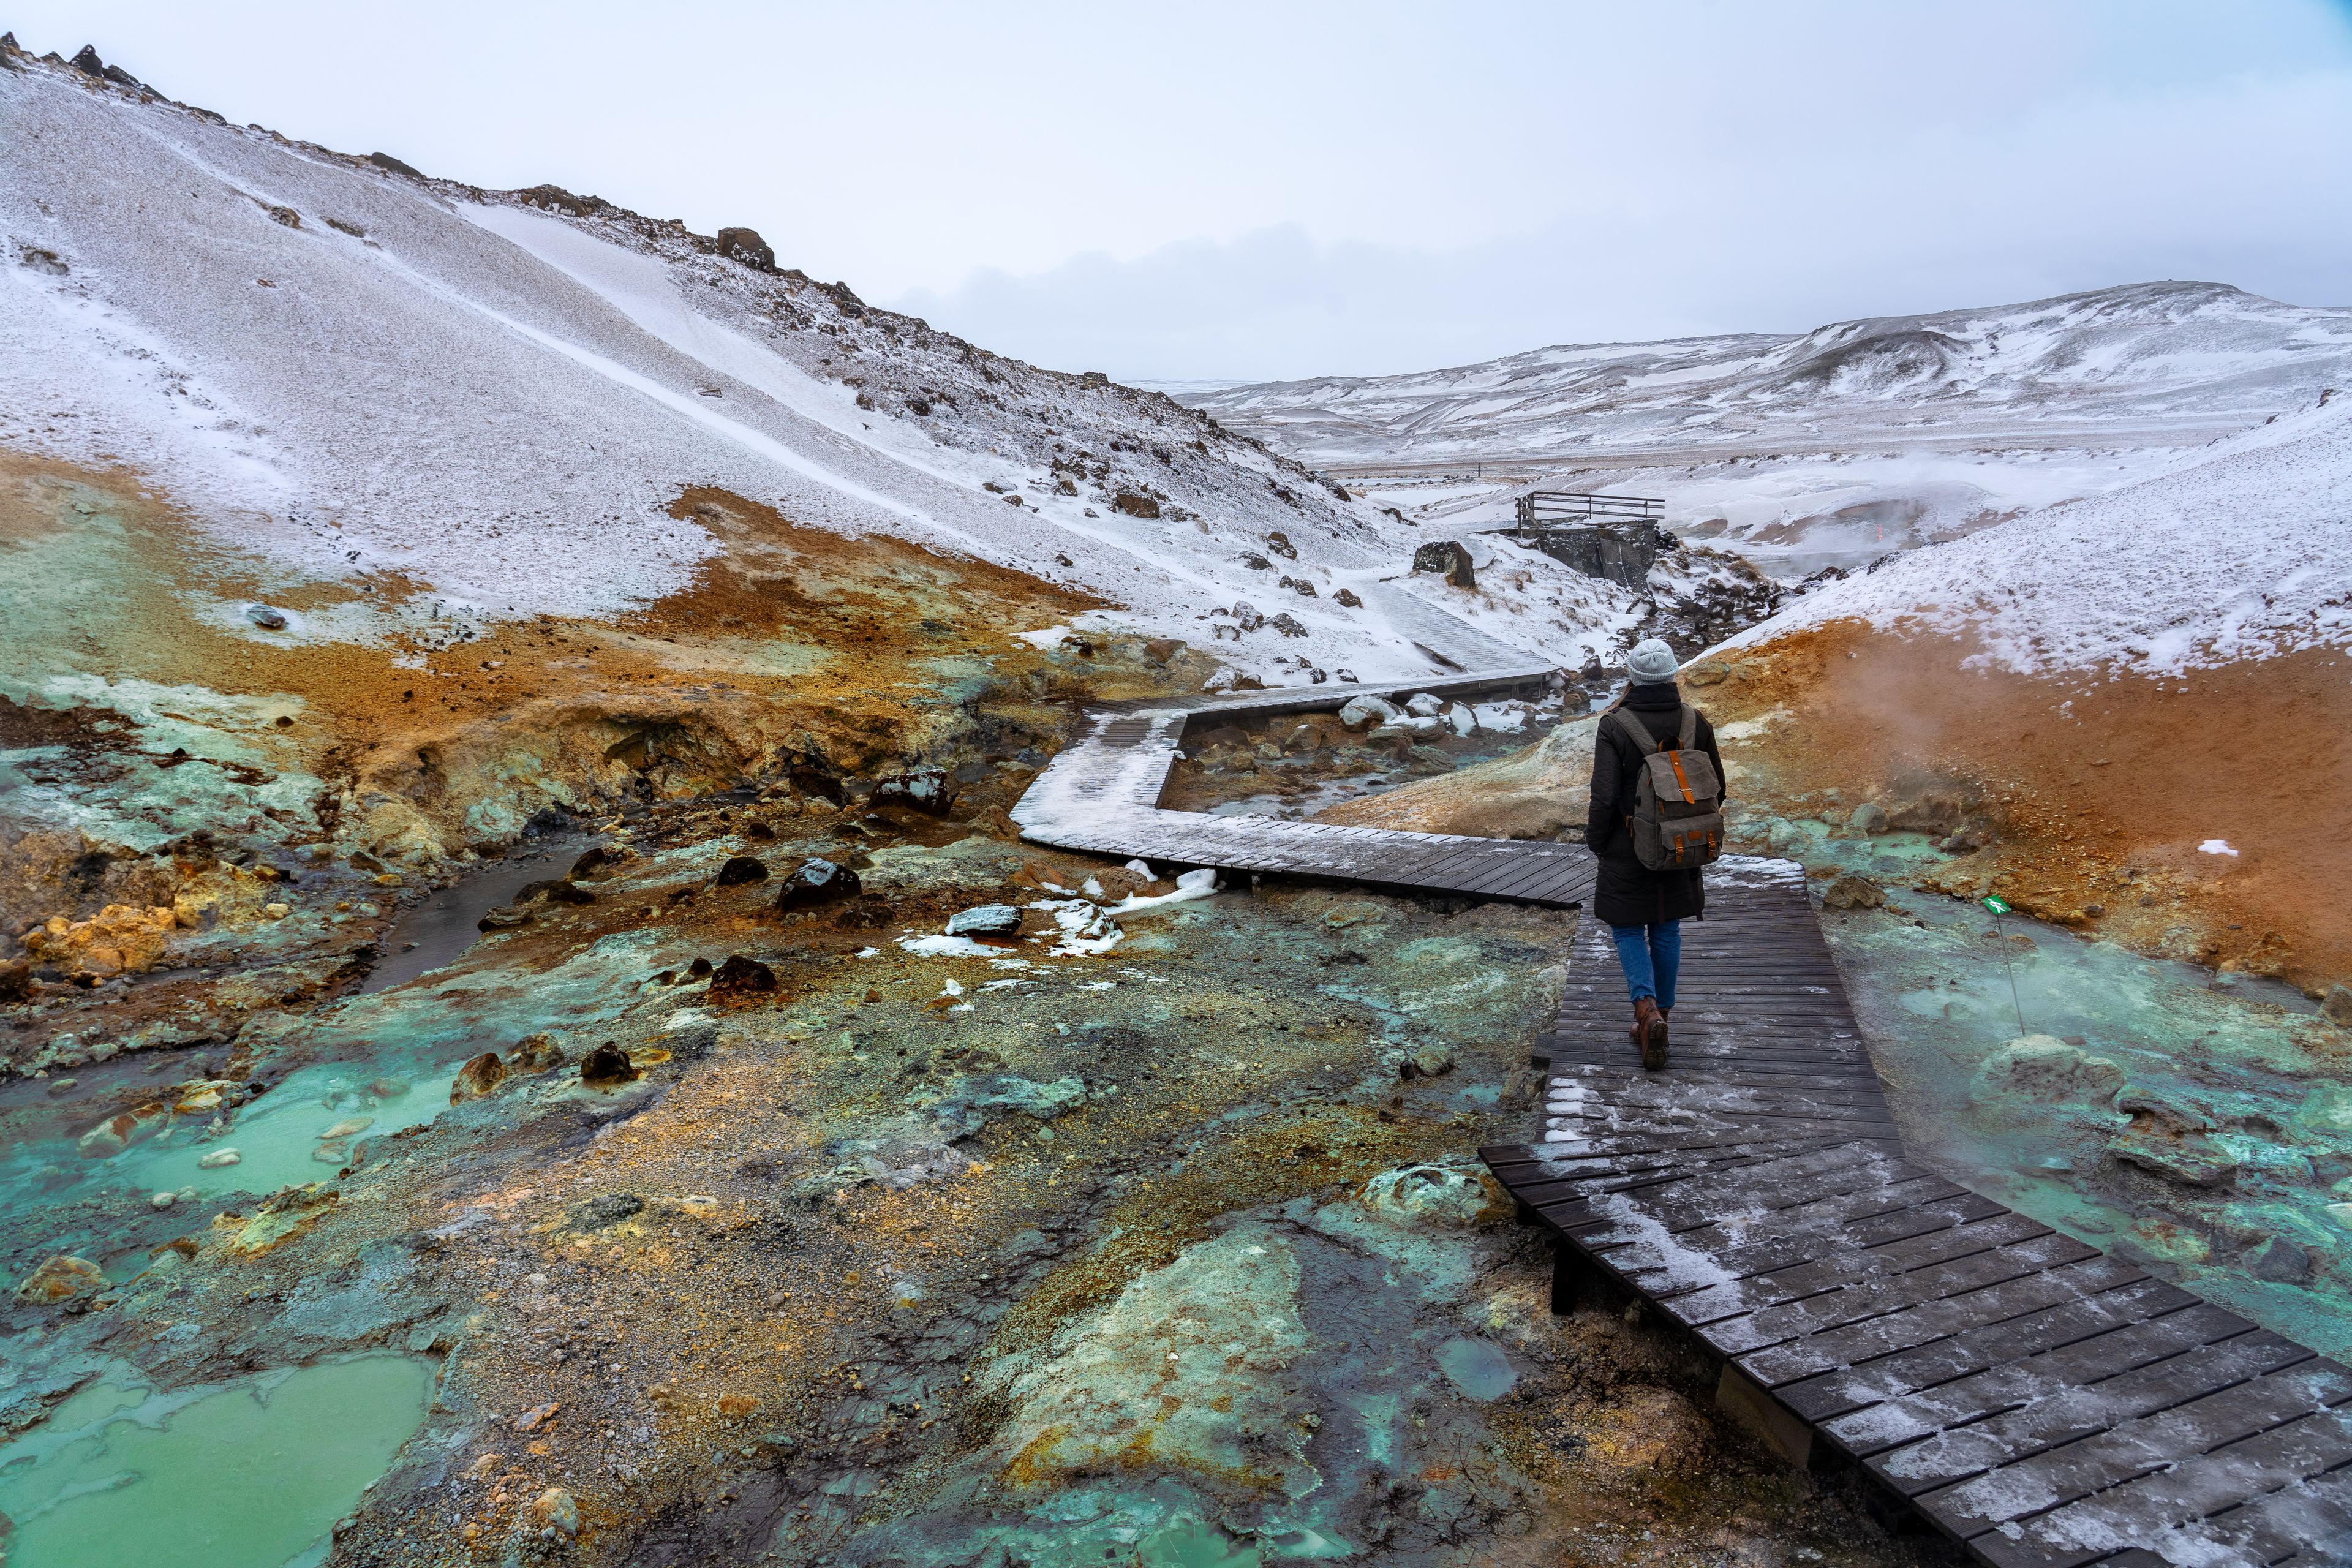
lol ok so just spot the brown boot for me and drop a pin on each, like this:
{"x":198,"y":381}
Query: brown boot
{"x":1650,"y":1034}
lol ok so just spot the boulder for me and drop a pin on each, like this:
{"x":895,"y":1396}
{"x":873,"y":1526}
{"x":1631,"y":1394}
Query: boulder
{"x":1288,"y":624}
{"x":1361,"y":713}
{"x":480,"y":1075}
{"x":2337,"y":1008}
{"x":1134,"y":505}
{"x":2191,"y":1162}
{"x":817,"y":881}
{"x":555,"y":1509}
{"x":985,"y":920}
{"x":218,"y":1158}
{"x":1449,"y":560}
{"x":1431,"y":1059}
{"x":386,"y":162}
{"x":534,"y":1053}
{"x":1869,"y":817}
{"x":61,"y":1278}
{"x":740,"y":977}
{"x":2278,"y":1261}
{"x":607,"y":1066}
{"x":1348,"y":597}
{"x":15,"y":981}
{"x":268,"y":617}
{"x":1280,"y":543}
{"x":741,"y":870}
{"x":2049,"y":1072}
{"x":121,"y":1131}
{"x":1449,"y":1197}
{"x":1424,"y":705}
{"x":1246,"y":617}
{"x":1852,"y":892}
{"x":744,"y":245}
{"x":928,"y":790}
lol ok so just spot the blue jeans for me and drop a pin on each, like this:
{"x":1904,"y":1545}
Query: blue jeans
{"x":1650,"y":955}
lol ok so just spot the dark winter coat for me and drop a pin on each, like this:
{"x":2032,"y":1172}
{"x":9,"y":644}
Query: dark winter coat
{"x":1629,"y":893}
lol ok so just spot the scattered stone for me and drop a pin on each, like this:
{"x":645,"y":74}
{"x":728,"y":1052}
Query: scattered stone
{"x":2278,"y":1261}
{"x":118,"y":1131}
{"x":928,"y":790}
{"x":1361,"y":713}
{"x":533,"y":1053}
{"x":1711,"y":672}
{"x":1288,"y":624}
{"x":162,"y":1200}
{"x":1160,"y":651}
{"x":538,"y":1415}
{"x":1302,"y":587}
{"x":505,"y":917}
{"x":1424,"y":705}
{"x":699,"y":970}
{"x":985,"y":920}
{"x":59,"y":1279}
{"x":16,"y":982}
{"x":1432,"y":1059}
{"x":1868,"y":819}
{"x":1246,"y":617}
{"x":744,"y":245}
{"x":267,"y":617}
{"x":607,"y":1209}
{"x":740,"y":977}
{"x":817,"y":881}
{"x":1653,"y":1429}
{"x":480,"y":1075}
{"x":2046,"y":1069}
{"x":1854,"y":892}
{"x":217,"y":1158}
{"x":2337,"y":1008}
{"x":555,"y":1509}
{"x":1348,"y":597}
{"x":742,"y":869}
{"x":1280,"y":543}
{"x":607,"y":1066}
{"x":2160,"y":1111}
{"x":2191,"y":1162}
{"x":1449,"y":560}
{"x":1432,"y":1195}
{"x":1134,"y":505}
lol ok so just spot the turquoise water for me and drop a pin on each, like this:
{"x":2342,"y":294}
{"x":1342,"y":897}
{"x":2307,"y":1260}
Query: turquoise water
{"x":251,"y":1474}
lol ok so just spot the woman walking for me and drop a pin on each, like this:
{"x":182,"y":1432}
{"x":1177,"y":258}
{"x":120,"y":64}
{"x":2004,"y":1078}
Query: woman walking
{"x":1650,"y":879}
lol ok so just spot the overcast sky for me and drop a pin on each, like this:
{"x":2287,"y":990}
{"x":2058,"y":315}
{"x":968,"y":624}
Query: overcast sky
{"x":1258,"y":190}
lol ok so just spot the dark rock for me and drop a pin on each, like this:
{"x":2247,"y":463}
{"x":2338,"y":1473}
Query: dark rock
{"x":478,"y":1077}
{"x":742,"y":869}
{"x":387,"y":161}
{"x":87,"y":63}
{"x":1348,"y":597}
{"x":817,"y":782}
{"x":1303,"y":587}
{"x":1280,"y":543}
{"x":2191,"y":1162}
{"x":16,"y":981}
{"x":556,"y":198}
{"x":1134,"y":505}
{"x":1093,"y":379}
{"x":267,"y":618}
{"x":741,"y":976}
{"x":1448,"y":559}
{"x":555,"y":890}
{"x":744,"y":245}
{"x":817,"y":881}
{"x":1160,"y":651}
{"x":699,"y":970}
{"x":504,"y":918}
{"x":986,"y":919}
{"x":2337,"y":1008}
{"x":1255,"y":562}
{"x":1288,"y":624}
{"x":1246,"y":615}
{"x":2279,"y":1261}
{"x":606,"y":1066}
{"x":926,"y":789}
{"x":2149,"y":1107}
{"x":607,"y":1208}
{"x":590,"y":864}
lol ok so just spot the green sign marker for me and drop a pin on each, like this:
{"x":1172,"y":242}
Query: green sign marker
{"x":1994,"y":902}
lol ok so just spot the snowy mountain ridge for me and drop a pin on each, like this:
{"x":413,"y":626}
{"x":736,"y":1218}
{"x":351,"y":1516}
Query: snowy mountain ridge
{"x":2187,"y":356}
{"x":495,"y":400}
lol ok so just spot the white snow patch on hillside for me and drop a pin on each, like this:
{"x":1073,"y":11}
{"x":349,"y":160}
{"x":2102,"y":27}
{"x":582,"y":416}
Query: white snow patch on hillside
{"x":2244,"y":553}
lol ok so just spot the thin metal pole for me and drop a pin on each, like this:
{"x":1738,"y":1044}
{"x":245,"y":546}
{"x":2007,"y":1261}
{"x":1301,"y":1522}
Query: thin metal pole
{"x":2010,"y":964}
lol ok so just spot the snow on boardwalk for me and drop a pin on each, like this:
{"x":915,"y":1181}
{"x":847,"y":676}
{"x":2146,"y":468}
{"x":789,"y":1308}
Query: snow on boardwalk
{"x":2043,"y":1404}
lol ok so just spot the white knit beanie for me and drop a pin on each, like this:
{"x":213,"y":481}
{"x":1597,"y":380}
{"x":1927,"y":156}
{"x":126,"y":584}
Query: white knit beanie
{"x":1651,"y":662}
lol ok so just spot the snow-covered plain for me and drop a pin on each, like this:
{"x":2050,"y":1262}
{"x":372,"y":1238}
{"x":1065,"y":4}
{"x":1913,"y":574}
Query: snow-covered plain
{"x":2243,"y":552}
{"x":354,"y":372}
{"x":1835,"y":446}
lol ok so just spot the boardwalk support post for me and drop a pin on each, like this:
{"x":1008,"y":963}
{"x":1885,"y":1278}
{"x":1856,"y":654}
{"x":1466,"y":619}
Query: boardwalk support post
{"x":1738,"y":1396}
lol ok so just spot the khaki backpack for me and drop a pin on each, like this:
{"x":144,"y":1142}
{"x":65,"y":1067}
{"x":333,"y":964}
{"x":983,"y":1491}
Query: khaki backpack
{"x":1677,"y":816}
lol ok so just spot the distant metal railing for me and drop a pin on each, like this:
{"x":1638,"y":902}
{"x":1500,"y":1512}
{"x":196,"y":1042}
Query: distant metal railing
{"x":1540,"y":507}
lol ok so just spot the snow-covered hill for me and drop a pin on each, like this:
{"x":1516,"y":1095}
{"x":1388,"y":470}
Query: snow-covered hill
{"x":358,"y":371}
{"x":1836,"y":446}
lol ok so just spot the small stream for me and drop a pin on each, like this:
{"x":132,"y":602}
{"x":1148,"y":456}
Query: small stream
{"x":437,"y":930}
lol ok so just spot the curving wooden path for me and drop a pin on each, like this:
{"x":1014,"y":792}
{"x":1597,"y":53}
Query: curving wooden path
{"x":2036,"y":1401}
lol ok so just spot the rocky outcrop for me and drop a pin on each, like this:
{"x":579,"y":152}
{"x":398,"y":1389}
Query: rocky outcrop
{"x":744,"y":245}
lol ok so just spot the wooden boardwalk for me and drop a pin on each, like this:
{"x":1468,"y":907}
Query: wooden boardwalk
{"x":1102,"y":796}
{"x":2039,"y":1401}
